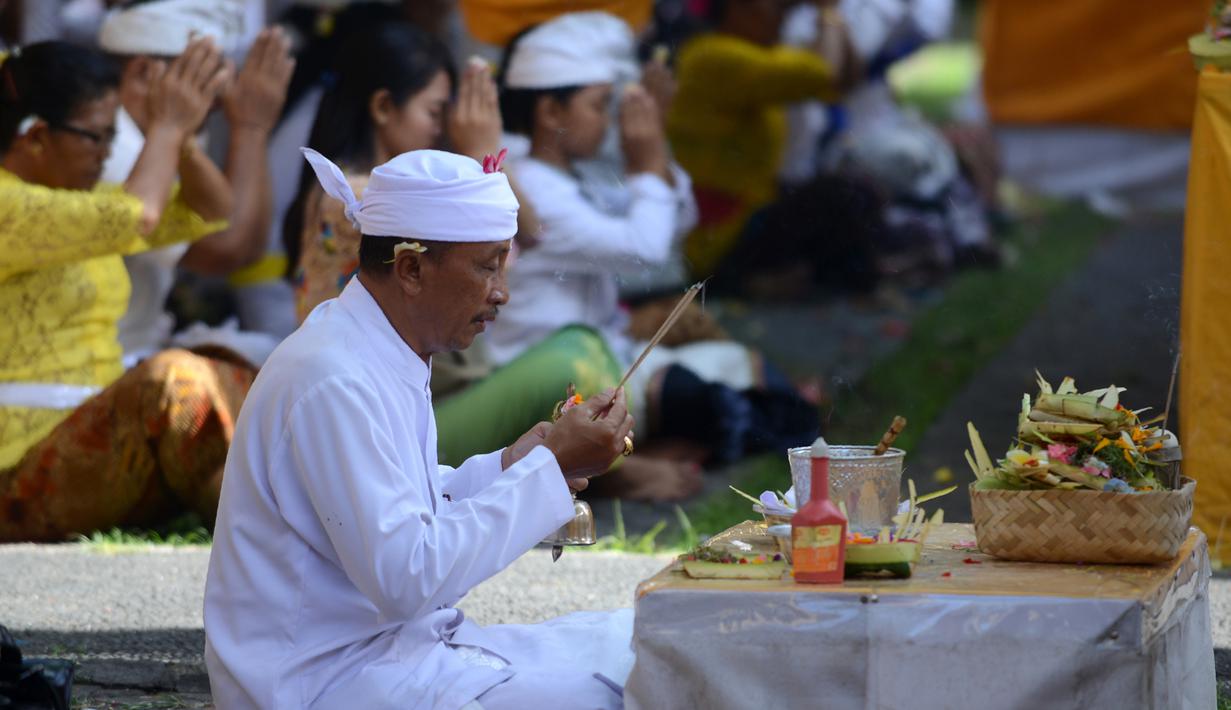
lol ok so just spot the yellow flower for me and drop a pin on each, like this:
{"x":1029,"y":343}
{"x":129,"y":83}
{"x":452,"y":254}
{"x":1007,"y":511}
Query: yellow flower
{"x":1102,"y":445}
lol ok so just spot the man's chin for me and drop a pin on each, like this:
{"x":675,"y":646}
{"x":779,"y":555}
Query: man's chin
{"x":461,"y":342}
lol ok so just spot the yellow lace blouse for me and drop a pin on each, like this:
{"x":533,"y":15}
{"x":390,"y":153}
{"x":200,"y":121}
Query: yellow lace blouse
{"x":728,"y":128}
{"x":63,"y":288}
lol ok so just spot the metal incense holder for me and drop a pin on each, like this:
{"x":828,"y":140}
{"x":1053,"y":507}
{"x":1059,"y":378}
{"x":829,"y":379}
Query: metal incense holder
{"x":579,"y":531}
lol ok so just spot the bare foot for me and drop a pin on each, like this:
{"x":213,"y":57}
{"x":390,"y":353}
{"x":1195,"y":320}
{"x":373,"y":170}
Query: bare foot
{"x":649,"y":479}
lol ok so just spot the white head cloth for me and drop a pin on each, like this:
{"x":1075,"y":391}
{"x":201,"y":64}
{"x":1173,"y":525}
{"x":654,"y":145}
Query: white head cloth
{"x":425,"y":194}
{"x":163,"y":27}
{"x":575,"y":49}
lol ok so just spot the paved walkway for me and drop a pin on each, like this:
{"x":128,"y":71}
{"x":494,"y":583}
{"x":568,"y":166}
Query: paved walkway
{"x":132,"y":619}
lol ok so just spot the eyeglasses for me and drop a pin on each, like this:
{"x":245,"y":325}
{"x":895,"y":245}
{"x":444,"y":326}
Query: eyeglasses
{"x":100,"y":140}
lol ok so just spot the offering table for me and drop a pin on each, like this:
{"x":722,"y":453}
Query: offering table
{"x":965,"y":631}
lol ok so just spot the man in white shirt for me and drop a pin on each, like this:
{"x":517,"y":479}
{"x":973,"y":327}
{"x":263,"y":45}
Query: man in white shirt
{"x":341,"y":546}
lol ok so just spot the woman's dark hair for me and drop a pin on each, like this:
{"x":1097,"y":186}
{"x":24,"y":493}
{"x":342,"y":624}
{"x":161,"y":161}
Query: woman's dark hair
{"x":395,"y":56}
{"x":517,"y":105}
{"x":50,"y":80}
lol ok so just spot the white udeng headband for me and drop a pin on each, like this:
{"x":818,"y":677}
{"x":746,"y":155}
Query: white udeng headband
{"x":426,"y":194}
{"x":575,"y":49}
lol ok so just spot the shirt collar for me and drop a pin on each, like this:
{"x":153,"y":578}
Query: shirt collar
{"x":387,"y":345}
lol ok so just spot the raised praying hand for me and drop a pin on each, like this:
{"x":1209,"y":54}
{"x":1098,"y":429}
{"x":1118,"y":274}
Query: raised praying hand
{"x":255,"y":98}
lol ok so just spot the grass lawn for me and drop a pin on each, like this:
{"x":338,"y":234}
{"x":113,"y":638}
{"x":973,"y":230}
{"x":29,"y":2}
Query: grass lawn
{"x":978,"y":314}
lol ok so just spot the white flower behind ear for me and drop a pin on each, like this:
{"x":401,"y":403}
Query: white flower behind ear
{"x":400,"y":247}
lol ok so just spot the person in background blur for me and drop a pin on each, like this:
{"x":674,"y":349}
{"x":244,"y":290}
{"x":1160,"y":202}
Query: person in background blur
{"x":84,"y":444}
{"x":558,"y":81}
{"x":728,"y":128}
{"x":391,"y":93}
{"x":141,"y":37}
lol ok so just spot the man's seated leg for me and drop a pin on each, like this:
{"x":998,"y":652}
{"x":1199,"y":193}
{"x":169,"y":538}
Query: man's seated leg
{"x":579,"y":660}
{"x":558,"y":689}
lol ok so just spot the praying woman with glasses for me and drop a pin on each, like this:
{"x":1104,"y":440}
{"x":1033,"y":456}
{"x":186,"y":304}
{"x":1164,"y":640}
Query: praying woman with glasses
{"x":85,"y":445}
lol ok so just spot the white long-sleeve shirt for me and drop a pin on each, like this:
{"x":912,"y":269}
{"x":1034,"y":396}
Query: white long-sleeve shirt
{"x":571,"y":276}
{"x":341,"y":546}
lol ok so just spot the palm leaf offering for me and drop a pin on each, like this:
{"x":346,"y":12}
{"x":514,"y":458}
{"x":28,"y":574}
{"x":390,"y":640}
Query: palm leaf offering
{"x":1071,"y":440}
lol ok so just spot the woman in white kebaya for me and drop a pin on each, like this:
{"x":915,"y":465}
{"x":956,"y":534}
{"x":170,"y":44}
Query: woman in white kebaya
{"x":557,"y":89}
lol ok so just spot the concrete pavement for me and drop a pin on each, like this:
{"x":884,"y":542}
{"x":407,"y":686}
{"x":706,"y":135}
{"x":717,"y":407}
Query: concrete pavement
{"x":132,"y":618}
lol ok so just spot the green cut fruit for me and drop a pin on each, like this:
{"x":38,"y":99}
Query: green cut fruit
{"x":882,"y":552}
{"x":698,"y":569}
{"x":898,"y":570}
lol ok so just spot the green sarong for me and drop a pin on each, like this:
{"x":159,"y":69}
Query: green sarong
{"x":491,"y":413}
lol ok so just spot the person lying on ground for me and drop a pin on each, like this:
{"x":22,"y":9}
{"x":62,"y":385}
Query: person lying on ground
{"x":716,"y":395}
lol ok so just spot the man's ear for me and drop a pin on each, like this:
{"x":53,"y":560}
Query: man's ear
{"x":408,"y":270}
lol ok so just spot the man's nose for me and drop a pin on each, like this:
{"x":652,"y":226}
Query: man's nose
{"x":500,"y":293}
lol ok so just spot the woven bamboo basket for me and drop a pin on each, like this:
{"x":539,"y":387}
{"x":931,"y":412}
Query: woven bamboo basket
{"x":1083,"y":526}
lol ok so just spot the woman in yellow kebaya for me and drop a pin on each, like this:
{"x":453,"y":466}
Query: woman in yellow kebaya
{"x":84,"y":444}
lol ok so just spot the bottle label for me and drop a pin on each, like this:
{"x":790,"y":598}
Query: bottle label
{"x":815,"y":549}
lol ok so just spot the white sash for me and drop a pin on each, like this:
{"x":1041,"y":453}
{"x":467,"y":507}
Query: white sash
{"x":44,"y":395}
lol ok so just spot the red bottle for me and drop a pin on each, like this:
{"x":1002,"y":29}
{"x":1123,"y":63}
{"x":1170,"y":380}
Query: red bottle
{"x":818,"y":530}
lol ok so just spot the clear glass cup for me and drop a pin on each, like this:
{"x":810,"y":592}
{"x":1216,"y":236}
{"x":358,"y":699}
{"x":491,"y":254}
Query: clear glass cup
{"x":867,"y":485}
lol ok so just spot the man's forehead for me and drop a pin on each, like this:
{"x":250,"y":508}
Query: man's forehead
{"x":485,"y":248}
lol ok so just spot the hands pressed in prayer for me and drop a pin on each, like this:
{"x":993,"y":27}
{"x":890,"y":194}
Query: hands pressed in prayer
{"x":659,"y":81}
{"x":184,"y":91}
{"x":254,"y":100}
{"x":641,"y":133}
{"x":474,"y":123}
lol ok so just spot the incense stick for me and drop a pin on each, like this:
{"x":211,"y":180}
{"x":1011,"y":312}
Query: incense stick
{"x":675,"y":314}
{"x":1175,"y":369}
{"x":899,"y":423}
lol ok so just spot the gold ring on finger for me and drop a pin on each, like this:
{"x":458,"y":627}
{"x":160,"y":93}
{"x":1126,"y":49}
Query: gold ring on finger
{"x":628,"y":446}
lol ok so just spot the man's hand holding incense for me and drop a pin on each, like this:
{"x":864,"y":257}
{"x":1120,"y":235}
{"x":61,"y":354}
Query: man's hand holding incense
{"x":591,"y":435}
{"x":526,"y":443}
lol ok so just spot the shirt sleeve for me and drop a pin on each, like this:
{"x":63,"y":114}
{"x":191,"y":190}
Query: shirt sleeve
{"x":686,"y":214}
{"x":740,"y":74}
{"x":475,"y":474}
{"x":42,"y":227}
{"x":371,"y":495}
{"x":579,"y":236}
